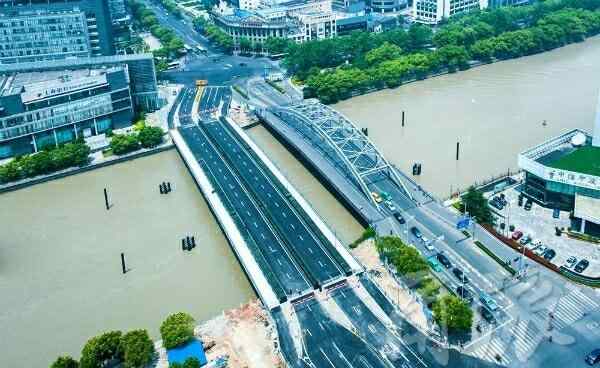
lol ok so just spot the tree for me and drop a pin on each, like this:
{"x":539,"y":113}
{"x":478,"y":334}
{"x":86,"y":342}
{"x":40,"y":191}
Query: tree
{"x":138,"y":349}
{"x":124,"y":143}
{"x":476,"y":205}
{"x":177,"y":329}
{"x":419,"y":36}
{"x":385,"y":52}
{"x":101,"y":349}
{"x":407,"y":260}
{"x":65,"y":362}
{"x":191,"y":362}
{"x":452,"y":313}
{"x":276,"y":45}
{"x":245,"y":44}
{"x":150,"y":136}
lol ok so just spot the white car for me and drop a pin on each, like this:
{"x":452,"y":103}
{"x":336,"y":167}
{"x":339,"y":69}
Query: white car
{"x":390,"y":205}
{"x":570,"y":262}
{"x":534,"y":245}
{"x":428,"y":244}
{"x":541,"y":250}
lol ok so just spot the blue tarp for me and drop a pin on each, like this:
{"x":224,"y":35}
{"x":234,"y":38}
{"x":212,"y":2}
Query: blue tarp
{"x":193,"y":348}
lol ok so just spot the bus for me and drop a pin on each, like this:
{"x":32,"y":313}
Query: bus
{"x":201,"y":49}
{"x":187,"y":47}
{"x":173,"y":65}
{"x":277,"y":56}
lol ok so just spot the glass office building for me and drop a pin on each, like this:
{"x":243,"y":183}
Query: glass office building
{"x":38,"y":109}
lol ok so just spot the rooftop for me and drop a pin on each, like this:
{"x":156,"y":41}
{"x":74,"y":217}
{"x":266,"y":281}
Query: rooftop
{"x":585,"y":160}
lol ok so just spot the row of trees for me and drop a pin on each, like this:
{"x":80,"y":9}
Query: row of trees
{"x":214,"y":33}
{"x":145,"y":137}
{"x":449,"y":311}
{"x":172,"y":45}
{"x":334,"y":68}
{"x":49,"y":160}
{"x":133,"y":349}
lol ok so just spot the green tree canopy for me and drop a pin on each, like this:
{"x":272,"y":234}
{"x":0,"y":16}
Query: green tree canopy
{"x":124,"y":143}
{"x":138,"y":349}
{"x":476,"y":205}
{"x":385,"y":52}
{"x":150,"y":136}
{"x":452,"y":313}
{"x":100,"y":349}
{"x":65,"y":362}
{"x":407,"y":260}
{"x":177,"y":329}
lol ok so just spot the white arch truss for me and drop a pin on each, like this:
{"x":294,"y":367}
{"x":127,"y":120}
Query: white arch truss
{"x":354,"y":149}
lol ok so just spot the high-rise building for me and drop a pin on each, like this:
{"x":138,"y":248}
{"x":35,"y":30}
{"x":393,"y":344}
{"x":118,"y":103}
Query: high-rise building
{"x":433,"y":11}
{"x":386,"y":6}
{"x":38,"y":30}
{"x":39,"y":109}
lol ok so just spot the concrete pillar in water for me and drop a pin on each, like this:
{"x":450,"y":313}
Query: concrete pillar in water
{"x":596,"y":139}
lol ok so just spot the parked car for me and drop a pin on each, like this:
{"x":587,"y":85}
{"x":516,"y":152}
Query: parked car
{"x":549,"y":254}
{"x":428,"y":244}
{"x":433,"y":262}
{"x":582,"y":265}
{"x":497,"y":203}
{"x":541,"y":250}
{"x":390,"y":205}
{"x":525,"y":240}
{"x":376,"y":197}
{"x":593,"y":357}
{"x":556,"y":213}
{"x":464,"y":294}
{"x":535,"y":245}
{"x":571,"y":261}
{"x":416,"y":232}
{"x":399,"y":217}
{"x":460,"y":275}
{"x":488,"y":301}
{"x":487,"y":315}
{"x":517,"y":235}
{"x":528,"y":205}
{"x":444,"y":260}
{"x":386,"y":196}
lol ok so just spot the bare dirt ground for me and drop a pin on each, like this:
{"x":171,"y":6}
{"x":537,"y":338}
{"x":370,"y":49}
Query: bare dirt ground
{"x":244,"y":336}
{"x":402,"y":297}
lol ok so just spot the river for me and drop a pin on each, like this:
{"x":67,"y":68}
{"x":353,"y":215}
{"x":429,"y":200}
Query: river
{"x":60,"y":267}
{"x":495,"y":111}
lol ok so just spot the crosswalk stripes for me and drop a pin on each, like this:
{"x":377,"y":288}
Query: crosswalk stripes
{"x":569,"y":309}
{"x":527,"y":338}
{"x":491,"y":350}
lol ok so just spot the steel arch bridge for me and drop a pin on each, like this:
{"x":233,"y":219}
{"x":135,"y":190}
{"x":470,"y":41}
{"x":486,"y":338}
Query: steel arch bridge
{"x":340,"y":139}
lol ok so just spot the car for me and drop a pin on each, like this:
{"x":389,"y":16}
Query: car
{"x":243,"y":64}
{"x":571,"y":261}
{"x":390,"y":205}
{"x":487,"y":315}
{"x":528,"y":205}
{"x":517,"y":235}
{"x":376,"y":197}
{"x":534,"y":245}
{"x":556,"y":213}
{"x":541,"y":250}
{"x":495,"y":202}
{"x":488,"y":301}
{"x":460,"y":275}
{"x":549,"y":254}
{"x":399,"y":217}
{"x":386,"y":196}
{"x":428,"y":244}
{"x":464,"y":294}
{"x":593,"y":357}
{"x":525,"y":240}
{"x":416,"y":232}
{"x":444,"y":260}
{"x":435,"y":265}
{"x":582,"y":265}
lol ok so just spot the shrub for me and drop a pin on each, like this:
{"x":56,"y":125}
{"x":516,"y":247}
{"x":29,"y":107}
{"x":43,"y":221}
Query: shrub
{"x":65,"y":362}
{"x":452,"y":313}
{"x":100,"y":349}
{"x":150,"y":136}
{"x":122,"y":144}
{"x":177,"y":329}
{"x":138,"y":349}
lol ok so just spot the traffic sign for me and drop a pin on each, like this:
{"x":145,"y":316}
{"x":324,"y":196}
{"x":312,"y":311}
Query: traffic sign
{"x":463,"y":223}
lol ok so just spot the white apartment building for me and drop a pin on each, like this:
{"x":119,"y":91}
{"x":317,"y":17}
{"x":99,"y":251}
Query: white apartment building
{"x":433,"y":11}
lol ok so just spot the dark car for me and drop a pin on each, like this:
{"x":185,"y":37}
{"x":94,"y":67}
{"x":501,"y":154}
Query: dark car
{"x":528,"y":205}
{"x":593,"y":357}
{"x":549,"y":254}
{"x":444,"y":260}
{"x":399,"y":217}
{"x":582,"y":265}
{"x":460,"y":275}
{"x":416,"y":232}
{"x":556,"y":213}
{"x":487,"y":315}
{"x":464,"y":294}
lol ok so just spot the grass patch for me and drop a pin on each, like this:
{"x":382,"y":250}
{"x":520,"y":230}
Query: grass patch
{"x":369,"y":233}
{"x":584,"y":237}
{"x":585,"y":160}
{"x":495,"y":257}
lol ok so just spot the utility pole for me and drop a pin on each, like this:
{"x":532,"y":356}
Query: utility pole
{"x":123,"y":263}
{"x":106,"y":199}
{"x":457,"y":150}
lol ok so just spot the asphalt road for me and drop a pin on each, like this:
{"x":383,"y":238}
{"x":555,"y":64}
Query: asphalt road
{"x":291,"y":225}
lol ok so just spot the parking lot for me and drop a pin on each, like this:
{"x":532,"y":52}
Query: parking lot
{"x":539,"y":224}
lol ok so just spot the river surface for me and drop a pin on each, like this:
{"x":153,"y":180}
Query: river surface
{"x":495,"y":111}
{"x":60,"y":267}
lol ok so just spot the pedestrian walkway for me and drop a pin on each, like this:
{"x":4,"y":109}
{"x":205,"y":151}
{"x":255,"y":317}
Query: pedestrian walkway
{"x":569,"y":309}
{"x":527,"y":336}
{"x":494,"y":350}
